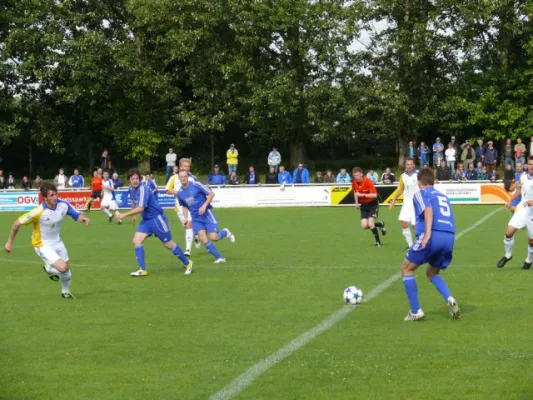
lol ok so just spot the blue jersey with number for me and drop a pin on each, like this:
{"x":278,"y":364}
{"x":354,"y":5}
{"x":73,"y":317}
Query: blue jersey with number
{"x":142,"y":196}
{"x":193,"y":197}
{"x":443,"y":219}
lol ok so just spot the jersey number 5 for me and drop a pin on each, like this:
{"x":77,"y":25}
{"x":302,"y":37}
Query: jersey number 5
{"x":444,"y":206}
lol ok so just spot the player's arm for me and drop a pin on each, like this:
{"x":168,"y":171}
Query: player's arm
{"x":170,"y":186}
{"x":514,"y":196}
{"x":355,"y":194}
{"x":76,"y":215}
{"x":428,"y":223}
{"x":12,"y":235}
{"x":399,"y":191}
{"x":136,"y":208}
{"x":209,"y":197}
{"x":373,"y":192}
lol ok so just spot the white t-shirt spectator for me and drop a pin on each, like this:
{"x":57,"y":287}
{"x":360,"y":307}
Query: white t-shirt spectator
{"x":450,"y":154}
{"x":171,"y":159}
{"x":61,"y":181}
{"x":274,"y":158}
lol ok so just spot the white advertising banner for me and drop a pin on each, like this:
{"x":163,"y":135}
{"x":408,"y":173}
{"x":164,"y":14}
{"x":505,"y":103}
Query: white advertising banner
{"x":461,"y":192}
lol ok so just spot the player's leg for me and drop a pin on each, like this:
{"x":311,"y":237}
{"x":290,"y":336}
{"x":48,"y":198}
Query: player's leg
{"x":113,"y":207}
{"x":374,"y":230}
{"x":161,"y":230}
{"x":529,"y":259}
{"x":56,"y":264}
{"x":105,"y":209}
{"x":375,"y":215}
{"x":201,"y":230}
{"x":408,"y":269}
{"x":143,"y":231}
{"x":508,"y":240}
{"x":213,"y":232}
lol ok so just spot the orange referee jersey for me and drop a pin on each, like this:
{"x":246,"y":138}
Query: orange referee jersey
{"x":96,"y":183}
{"x":365,"y":187}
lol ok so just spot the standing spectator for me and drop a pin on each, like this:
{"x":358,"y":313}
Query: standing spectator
{"x":483,"y":175}
{"x":480,"y":151}
{"x":519,"y":151}
{"x":468,"y":155}
{"x":76,"y":180}
{"x":318,"y":178}
{"x":37,"y":182}
{"x":10,"y":183}
{"x":454,"y":145}
{"x":508,"y":177}
{"x":25,"y":183}
{"x":2,"y":180}
{"x":423,"y":154}
{"x":216,"y":178}
{"x":373,"y":176}
{"x":438,"y":152}
{"x":530,"y":147}
{"x":388,"y":177}
{"x":284,"y":177}
{"x":451,"y":157}
{"x":329,"y":177}
{"x":234,"y":179}
{"x":100,"y":173}
{"x":117,"y":182}
{"x":105,"y":161}
{"x":232,"y":156}
{"x":170,"y":158}
{"x":508,"y":152}
{"x":443,"y":172}
{"x":411,"y":151}
{"x":271,"y":176}
{"x":471,"y":174}
{"x":300,"y":174}
{"x":491,"y":156}
{"x":493,"y":175}
{"x":61,"y":180}
{"x":343,"y":177}
{"x":251,"y":177}
{"x":274,"y":159}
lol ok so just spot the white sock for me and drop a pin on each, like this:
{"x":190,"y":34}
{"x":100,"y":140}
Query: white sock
{"x":65,"y":281}
{"x":116,"y":213}
{"x":51,"y":270}
{"x":529,"y":258}
{"x":408,"y":236}
{"x":189,"y":236}
{"x":106,"y":212}
{"x":508,"y":246}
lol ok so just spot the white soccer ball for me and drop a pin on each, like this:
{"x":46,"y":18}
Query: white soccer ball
{"x":353,"y":295}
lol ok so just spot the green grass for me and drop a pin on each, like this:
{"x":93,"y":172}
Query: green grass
{"x":170,"y":336}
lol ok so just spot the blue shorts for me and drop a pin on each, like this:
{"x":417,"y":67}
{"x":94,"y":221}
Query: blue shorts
{"x":516,"y":201}
{"x":157,"y":226}
{"x":206,"y":222}
{"x":437,"y":253}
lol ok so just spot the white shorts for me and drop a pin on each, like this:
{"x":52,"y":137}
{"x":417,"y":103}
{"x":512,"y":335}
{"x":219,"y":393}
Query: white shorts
{"x":111,"y":204}
{"x":519,"y":218}
{"x":50,"y":254}
{"x":181,"y":216}
{"x":407,"y":213}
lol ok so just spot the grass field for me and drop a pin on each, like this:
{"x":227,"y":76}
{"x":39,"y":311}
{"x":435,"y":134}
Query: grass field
{"x":170,"y":336}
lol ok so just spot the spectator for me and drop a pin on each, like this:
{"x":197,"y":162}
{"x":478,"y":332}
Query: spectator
{"x":520,"y":169}
{"x":468,"y":155}
{"x":493,"y":175}
{"x":300,"y":174}
{"x":151,"y":183}
{"x":508,"y":152}
{"x":318,"y":178}
{"x":234,"y":179}
{"x":373,"y":176}
{"x":480,"y":151}
{"x":519,"y":151}
{"x":284,"y":177}
{"x":426,"y":165}
{"x":100,"y":173}
{"x":37,"y":183}
{"x":411,"y":151}
{"x":274,"y":159}
{"x":329,"y":177}
{"x":25,"y":183}
{"x":530,"y":148}
{"x":216,"y":178}
{"x":2,"y":180}
{"x":117,"y":182}
{"x":443,"y":172}
{"x":76,"y":180}
{"x":61,"y":179}
{"x":251,"y":177}
{"x":483,"y":175}
{"x":479,"y":168}
{"x":10,"y":183}
{"x":170,"y":158}
{"x":451,"y":157}
{"x":458,"y":176}
{"x":105,"y":161}
{"x":438,"y":152}
{"x":508,"y":177}
{"x":471,"y":174}
{"x":272,"y":176}
{"x":423,"y":154}
{"x":388,"y":177}
{"x":232,"y":156}
{"x":455,"y":146}
{"x":343,"y":177}
{"x":491,"y":156}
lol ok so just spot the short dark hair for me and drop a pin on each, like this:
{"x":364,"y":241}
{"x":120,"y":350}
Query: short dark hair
{"x":530,"y":157}
{"x":133,"y":171}
{"x":356,"y":169}
{"x":409,"y":159}
{"x":426,"y":177}
{"x":47,"y":187}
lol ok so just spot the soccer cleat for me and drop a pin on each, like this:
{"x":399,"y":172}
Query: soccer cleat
{"x":503,"y":261}
{"x":52,"y":277}
{"x":110,"y":219}
{"x":453,"y":308}
{"x":120,"y":222}
{"x":88,"y":205}
{"x":527,"y":265}
{"x":196,"y":242}
{"x":230,"y":236}
{"x":188,"y":268}
{"x":67,"y":295}
{"x":414,"y":317}
{"x":220,"y":260}
{"x":139,"y":272}
{"x":187,"y":253}
{"x":378,"y":244}
{"x":383,"y":229}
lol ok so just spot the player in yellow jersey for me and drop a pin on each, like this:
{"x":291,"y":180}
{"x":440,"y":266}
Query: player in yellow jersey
{"x":408,"y":186}
{"x":47,"y":220}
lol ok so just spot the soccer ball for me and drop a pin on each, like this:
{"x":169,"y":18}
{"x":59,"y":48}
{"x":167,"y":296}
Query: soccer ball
{"x":353,"y":295}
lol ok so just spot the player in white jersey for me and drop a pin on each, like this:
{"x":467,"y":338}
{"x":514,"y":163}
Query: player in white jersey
{"x":108,"y":200}
{"x":173,"y":187}
{"x":521,"y":218}
{"x":47,"y":220}
{"x":408,"y":186}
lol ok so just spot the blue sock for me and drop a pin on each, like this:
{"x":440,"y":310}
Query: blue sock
{"x":222,"y":234}
{"x":441,"y":286}
{"x":213,"y":250}
{"x":178,"y":252}
{"x":411,"y":290}
{"x":139,"y":254}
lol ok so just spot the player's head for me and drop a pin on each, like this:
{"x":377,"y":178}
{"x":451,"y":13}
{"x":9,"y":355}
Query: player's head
{"x":409,"y":164}
{"x":185,"y":164}
{"x":49,"y":193}
{"x":95,"y":174}
{"x":425,"y":178}
{"x":76,"y":171}
{"x":518,"y":166}
{"x":134,"y":176}
{"x":106,"y":175}
{"x":115,"y":175}
{"x":100,"y":171}
{"x":530,"y":164}
{"x":183,"y":176}
{"x":357,"y":174}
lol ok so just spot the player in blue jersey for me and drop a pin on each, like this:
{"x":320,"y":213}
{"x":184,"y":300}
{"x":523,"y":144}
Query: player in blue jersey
{"x":518,"y":173}
{"x":435,"y":231}
{"x":195,"y":198}
{"x":154,"y":222}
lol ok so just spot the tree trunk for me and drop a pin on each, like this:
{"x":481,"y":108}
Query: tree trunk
{"x":298,"y":153}
{"x":144,"y":165}
{"x":402,"y":142}
{"x":212,"y":151}
{"x":91,"y":158}
{"x":30,"y":160}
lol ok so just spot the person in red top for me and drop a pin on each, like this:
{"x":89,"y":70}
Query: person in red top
{"x":366,"y":198}
{"x":96,"y":187}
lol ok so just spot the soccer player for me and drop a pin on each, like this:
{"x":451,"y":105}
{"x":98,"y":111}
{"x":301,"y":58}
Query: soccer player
{"x":47,"y":220}
{"x":154,"y":222}
{"x":521,"y":216}
{"x":96,"y":187}
{"x":408,"y":186}
{"x":109,"y":202}
{"x":435,"y":232}
{"x":518,"y":173}
{"x":195,"y":198}
{"x":151,"y":183}
{"x":366,"y":198}
{"x":172,"y":188}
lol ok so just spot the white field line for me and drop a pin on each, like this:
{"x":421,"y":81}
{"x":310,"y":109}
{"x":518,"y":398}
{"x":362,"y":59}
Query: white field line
{"x":248,"y":377}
